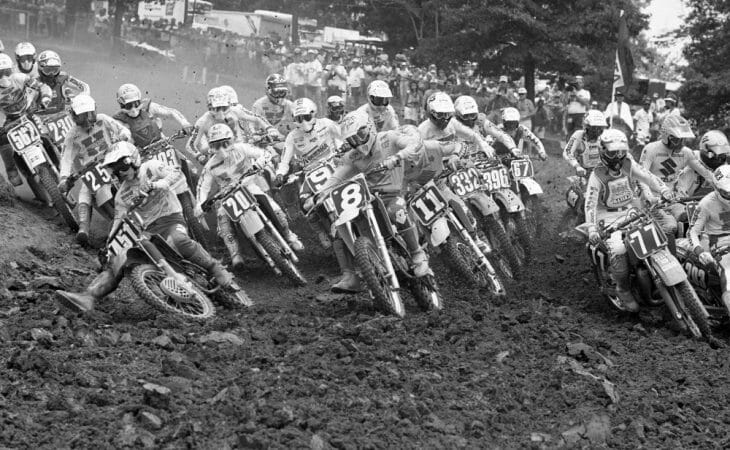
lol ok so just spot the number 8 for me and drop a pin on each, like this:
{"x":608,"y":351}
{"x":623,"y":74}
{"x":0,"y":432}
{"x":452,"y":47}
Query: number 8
{"x":351,"y":196}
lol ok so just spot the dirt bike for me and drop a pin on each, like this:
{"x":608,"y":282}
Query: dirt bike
{"x":161,"y":276}
{"x":656,"y":275}
{"x":447,"y":228}
{"x":100,"y":183}
{"x":706,"y":279}
{"x":574,"y":196}
{"x":256,"y":220}
{"x":163,"y":151}
{"x":523,"y":184}
{"x":38,"y":160}
{"x":381,"y":255}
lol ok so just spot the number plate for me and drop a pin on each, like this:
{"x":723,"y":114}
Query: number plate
{"x":317,"y":177}
{"x":59,"y":128}
{"x":465,"y":181}
{"x":351,"y":196}
{"x":646,"y":240}
{"x":428,"y":204}
{"x":495,"y":178}
{"x":522,"y":168}
{"x":124,"y":238}
{"x":23,"y":136}
{"x":238,"y":202}
{"x":34,"y":156}
{"x":96,"y":177}
{"x":167,"y":156}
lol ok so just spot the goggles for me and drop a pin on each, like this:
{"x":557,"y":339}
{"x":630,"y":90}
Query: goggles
{"x":220,"y":145}
{"x":337,"y":108}
{"x":303,"y":118}
{"x":360,"y":138}
{"x":131,"y":105}
{"x":219,"y":109}
{"x":470,"y":117}
{"x":120,"y":166}
{"x":279,"y":92}
{"x":613,"y":155}
{"x":674,"y":141}
{"x":6,"y":73}
{"x":441,"y":115}
{"x":379,"y":101}
{"x":26,"y":59}
{"x":84,"y":119}
{"x":50,"y":71}
{"x":510,"y":124}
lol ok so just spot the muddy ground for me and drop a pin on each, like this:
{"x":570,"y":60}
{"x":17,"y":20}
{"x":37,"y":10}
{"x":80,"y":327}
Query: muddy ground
{"x":549,"y":366}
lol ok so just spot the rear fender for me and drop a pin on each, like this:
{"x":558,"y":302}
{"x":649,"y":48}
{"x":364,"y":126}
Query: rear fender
{"x":667,"y":267}
{"x":439,"y":231}
{"x":484,"y":203}
{"x":510,"y":201}
{"x":251,"y":222}
{"x":531,"y":186}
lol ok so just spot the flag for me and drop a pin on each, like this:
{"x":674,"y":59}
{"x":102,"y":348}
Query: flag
{"x":623,"y":72}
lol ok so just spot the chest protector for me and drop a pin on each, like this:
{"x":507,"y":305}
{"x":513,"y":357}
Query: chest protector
{"x":587,"y":154}
{"x":144,"y":128}
{"x":58,"y":99}
{"x":618,"y":190}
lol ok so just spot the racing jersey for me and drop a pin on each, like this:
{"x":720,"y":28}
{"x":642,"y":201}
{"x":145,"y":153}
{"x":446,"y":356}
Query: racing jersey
{"x":319,"y":143}
{"x":387,"y":143}
{"x":521,"y":135}
{"x":279,"y":115}
{"x":580,"y":152}
{"x":712,"y":217}
{"x":658,"y":159}
{"x":242,"y":122}
{"x":607,"y":191}
{"x":80,"y":146}
{"x":160,"y":201}
{"x":64,"y":87}
{"x":21,"y":94}
{"x":384,"y":120}
{"x":453,"y":132}
{"x":225,"y":166}
{"x":146,"y":128}
{"x":489,"y":129}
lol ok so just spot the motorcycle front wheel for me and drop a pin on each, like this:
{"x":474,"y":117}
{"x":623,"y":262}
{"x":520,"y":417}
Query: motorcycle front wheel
{"x":426,"y":293}
{"x":284,"y":264}
{"x":147,"y":283}
{"x":50,"y":184}
{"x":373,"y":272}
{"x":464,"y":261}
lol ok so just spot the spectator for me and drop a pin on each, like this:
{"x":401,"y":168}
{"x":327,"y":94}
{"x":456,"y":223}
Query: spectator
{"x":541,"y":119}
{"x":355,"y":80}
{"x":643,"y":121}
{"x":618,"y":114}
{"x":337,"y":82}
{"x":525,"y":107}
{"x":404,"y":78}
{"x":504,"y":98}
{"x":577,"y":105}
{"x":294,"y":74}
{"x":413,"y":100}
{"x":313,"y":76}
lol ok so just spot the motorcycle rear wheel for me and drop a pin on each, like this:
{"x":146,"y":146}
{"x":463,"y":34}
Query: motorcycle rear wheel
{"x":503,"y":254}
{"x":373,"y":272}
{"x":146,"y":280}
{"x":50,"y":184}
{"x":685,"y":291}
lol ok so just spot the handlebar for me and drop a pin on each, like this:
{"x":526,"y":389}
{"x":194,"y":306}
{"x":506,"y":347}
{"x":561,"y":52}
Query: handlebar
{"x":163,"y":142}
{"x":207,"y":204}
{"x":634,"y":218}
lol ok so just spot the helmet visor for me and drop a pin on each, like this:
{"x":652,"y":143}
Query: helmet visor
{"x":50,"y":71}
{"x":220,"y":145}
{"x":26,"y":60}
{"x":510,"y":125}
{"x":361,"y":137}
{"x":379,"y":101}
{"x":303,"y":118}
{"x":85,"y":119}
{"x":131,"y":105}
{"x":441,"y":116}
{"x":675,"y":142}
{"x":120,"y":166}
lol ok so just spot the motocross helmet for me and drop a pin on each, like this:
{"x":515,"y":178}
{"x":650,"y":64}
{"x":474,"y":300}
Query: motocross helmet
{"x":6,"y":69}
{"x":129,"y":98}
{"x":440,"y":109}
{"x":220,"y":137}
{"x":83,"y":111}
{"x":25,"y":56}
{"x":219,"y":103}
{"x":714,"y":149}
{"x":231,"y":93}
{"x":276,"y":88}
{"x":121,"y":157}
{"x":674,"y":131}
{"x":358,"y":131}
{"x":303,"y":112}
{"x":594,"y":123}
{"x":722,"y":184}
{"x":335,"y":108}
{"x":379,"y":95}
{"x":49,"y":64}
{"x":510,"y":119}
{"x":466,"y":110}
{"x":613,"y":148}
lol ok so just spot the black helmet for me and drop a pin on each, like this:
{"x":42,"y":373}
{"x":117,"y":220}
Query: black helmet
{"x":276,"y":87}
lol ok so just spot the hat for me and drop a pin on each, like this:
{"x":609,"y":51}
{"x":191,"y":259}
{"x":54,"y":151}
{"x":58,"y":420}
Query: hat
{"x":579,"y":78}
{"x":503,"y":79}
{"x":356,"y":60}
{"x":670,"y":98}
{"x":297,"y":50}
{"x":522,"y":91}
{"x":312,"y":51}
{"x":619,"y":93}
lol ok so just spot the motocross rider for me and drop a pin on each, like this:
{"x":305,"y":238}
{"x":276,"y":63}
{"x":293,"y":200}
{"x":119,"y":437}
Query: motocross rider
{"x":610,"y":193}
{"x":714,"y":151}
{"x":18,"y":94}
{"x":229,"y":160}
{"x":92,"y":136}
{"x":711,"y":218}
{"x":582,"y":149}
{"x":274,"y":106}
{"x":378,"y":107}
{"x":160,"y":212}
{"x":312,"y":140}
{"x":665,"y":159}
{"x":63,"y":85}
{"x":371,"y":149}
{"x":335,"y":108}
{"x":519,"y":134}
{"x":467,"y":112}
{"x":25,"y":57}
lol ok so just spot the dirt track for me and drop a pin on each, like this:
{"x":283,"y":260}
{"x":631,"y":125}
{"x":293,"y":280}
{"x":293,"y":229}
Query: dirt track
{"x":549,"y":366}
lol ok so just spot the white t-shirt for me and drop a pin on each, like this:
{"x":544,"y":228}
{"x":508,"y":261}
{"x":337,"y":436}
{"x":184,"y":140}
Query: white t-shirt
{"x":643,"y":120}
{"x":356,"y":76}
{"x":624,"y":112}
{"x":313,"y":70}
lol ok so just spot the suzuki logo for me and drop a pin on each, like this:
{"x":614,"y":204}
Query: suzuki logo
{"x":669,"y":167}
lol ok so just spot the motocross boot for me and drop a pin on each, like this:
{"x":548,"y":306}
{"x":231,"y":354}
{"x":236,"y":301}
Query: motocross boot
{"x":225,"y":229}
{"x":350,"y":282}
{"x":202,"y":258}
{"x":84,"y":212}
{"x":726,"y":301}
{"x":103,"y":284}
{"x":419,"y":258}
{"x":288,"y":234}
{"x":620,"y":275}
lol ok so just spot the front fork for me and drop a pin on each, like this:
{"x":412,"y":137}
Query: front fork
{"x":382,"y":247}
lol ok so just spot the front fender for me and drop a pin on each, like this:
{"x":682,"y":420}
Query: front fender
{"x":510,"y":201}
{"x":439,"y":231}
{"x":668,"y":268}
{"x":531,"y":186}
{"x":104,"y":194}
{"x":251,"y":222}
{"x":483,"y":203}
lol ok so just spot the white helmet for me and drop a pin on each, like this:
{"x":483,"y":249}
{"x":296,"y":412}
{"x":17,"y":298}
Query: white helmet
{"x":128,"y":93}
{"x":122,"y":151}
{"x":379,"y":94}
{"x":232,"y":95}
{"x":440,"y":109}
{"x":5,"y":62}
{"x":722,"y":184}
{"x":674,"y":130}
{"x":49,"y":63}
{"x":358,"y":130}
{"x":220,"y":135}
{"x":714,"y":149}
{"x":595,"y":118}
{"x":83,"y":103}
{"x":613,"y":148}
{"x":25,"y":49}
{"x":218,"y":99}
{"x":510,"y":115}
{"x":6,"y":69}
{"x":303,"y":112}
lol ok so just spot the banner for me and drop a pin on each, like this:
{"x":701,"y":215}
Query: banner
{"x":624,"y":65}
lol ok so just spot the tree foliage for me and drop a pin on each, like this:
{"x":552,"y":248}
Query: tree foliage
{"x":706,"y":92}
